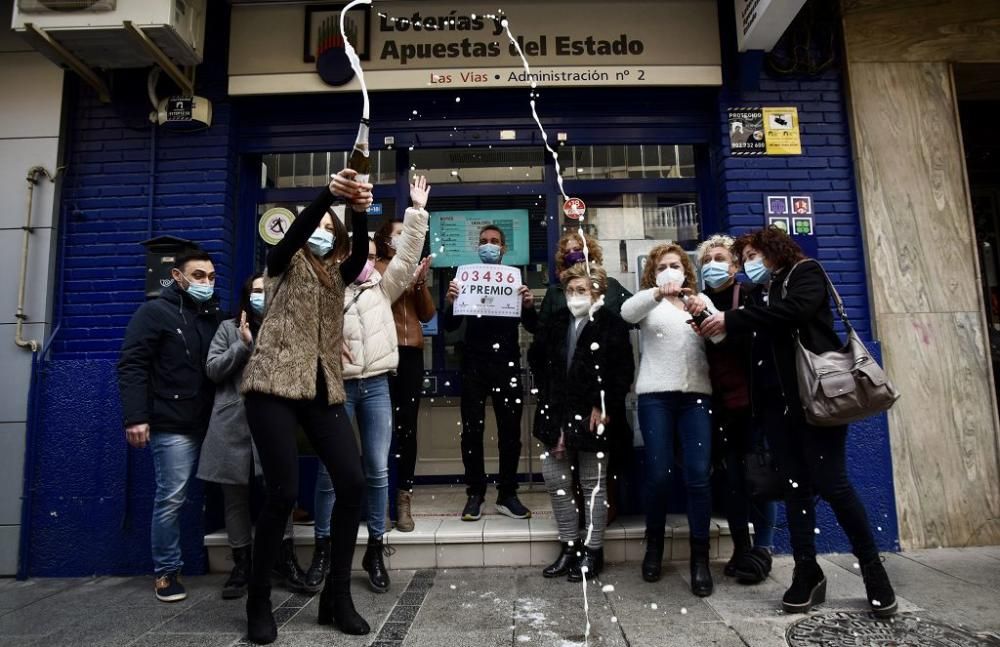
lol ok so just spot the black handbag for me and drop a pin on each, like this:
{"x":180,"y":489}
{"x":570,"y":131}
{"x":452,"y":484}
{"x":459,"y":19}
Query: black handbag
{"x":763,"y":479}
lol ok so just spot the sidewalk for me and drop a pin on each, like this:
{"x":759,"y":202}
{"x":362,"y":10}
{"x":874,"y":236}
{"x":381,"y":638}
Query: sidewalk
{"x":948,"y":597}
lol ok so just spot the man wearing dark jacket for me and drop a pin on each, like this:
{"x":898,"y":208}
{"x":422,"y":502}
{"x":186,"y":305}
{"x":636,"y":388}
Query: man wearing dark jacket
{"x":167,"y":398}
{"x":491,"y":361}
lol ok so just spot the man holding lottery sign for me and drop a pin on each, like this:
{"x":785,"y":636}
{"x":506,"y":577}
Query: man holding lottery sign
{"x":493,"y":302}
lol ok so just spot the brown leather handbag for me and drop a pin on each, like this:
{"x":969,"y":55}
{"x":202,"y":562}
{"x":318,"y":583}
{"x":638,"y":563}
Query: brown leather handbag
{"x":842,"y":386}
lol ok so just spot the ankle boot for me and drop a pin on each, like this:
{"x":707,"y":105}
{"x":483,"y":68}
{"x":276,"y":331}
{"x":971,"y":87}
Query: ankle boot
{"x":741,"y":546}
{"x":374,"y":565}
{"x":881,"y":597}
{"x":567,"y":558}
{"x":337,"y":608}
{"x":236,"y":586}
{"x":652,"y":563}
{"x":808,"y":587}
{"x":261,"y":628}
{"x":404,"y":511}
{"x":320,"y":566}
{"x":591,"y":563}
{"x":701,"y":574}
{"x":287,"y":569}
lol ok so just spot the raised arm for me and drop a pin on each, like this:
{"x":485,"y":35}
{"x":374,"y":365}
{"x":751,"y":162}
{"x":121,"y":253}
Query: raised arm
{"x":301,"y":229}
{"x":227,"y":354}
{"x":399,"y":272}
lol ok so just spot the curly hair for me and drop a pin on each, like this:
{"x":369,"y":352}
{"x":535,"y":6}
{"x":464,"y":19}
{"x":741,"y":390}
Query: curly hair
{"x":594,"y":250}
{"x":649,"y":271}
{"x":382,"y":236}
{"x":717,"y":240}
{"x":597,"y":275}
{"x":776,"y":246}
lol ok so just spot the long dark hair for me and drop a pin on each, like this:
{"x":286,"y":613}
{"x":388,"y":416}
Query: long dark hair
{"x":382,"y":236}
{"x":340,"y":252}
{"x":252,"y":316}
{"x":776,"y":246}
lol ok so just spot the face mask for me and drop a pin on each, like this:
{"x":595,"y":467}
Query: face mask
{"x":200,"y":292}
{"x":579,"y":305}
{"x":715,"y":273}
{"x":670,"y":275}
{"x":489,"y":253}
{"x":572,"y":258}
{"x":365,"y":272}
{"x":257,"y":302}
{"x":321,"y":242}
{"x":393,"y":242}
{"x":756,"y":271}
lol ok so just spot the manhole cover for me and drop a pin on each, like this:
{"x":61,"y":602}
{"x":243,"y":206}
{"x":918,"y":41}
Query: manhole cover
{"x":843,"y":629}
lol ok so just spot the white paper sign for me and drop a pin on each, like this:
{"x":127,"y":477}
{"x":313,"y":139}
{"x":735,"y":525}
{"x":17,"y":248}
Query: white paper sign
{"x":488,"y":290}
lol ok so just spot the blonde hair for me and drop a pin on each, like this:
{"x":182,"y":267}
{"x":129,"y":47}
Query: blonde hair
{"x":655,"y":254}
{"x":717,"y":240}
{"x":598,"y":277}
{"x":593,"y":248}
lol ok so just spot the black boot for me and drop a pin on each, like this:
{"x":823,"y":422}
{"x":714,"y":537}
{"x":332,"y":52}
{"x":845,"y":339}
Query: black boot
{"x":261,"y":628}
{"x":701,"y":574}
{"x":567,"y":558}
{"x":236,"y":586}
{"x":320,"y":566}
{"x":287,"y":568}
{"x":652,"y":563}
{"x":336,"y":607}
{"x":808,"y":587}
{"x":754,"y":567}
{"x":881,"y":597}
{"x":591,"y":562}
{"x":741,"y":546}
{"x":374,"y":565}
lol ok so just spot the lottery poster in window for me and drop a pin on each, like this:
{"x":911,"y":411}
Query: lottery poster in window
{"x":488,"y":291}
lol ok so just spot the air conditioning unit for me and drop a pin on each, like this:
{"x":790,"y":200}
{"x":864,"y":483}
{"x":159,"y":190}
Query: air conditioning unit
{"x":95,"y":31}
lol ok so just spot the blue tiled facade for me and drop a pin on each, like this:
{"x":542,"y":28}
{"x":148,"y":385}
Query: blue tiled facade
{"x":90,"y":496}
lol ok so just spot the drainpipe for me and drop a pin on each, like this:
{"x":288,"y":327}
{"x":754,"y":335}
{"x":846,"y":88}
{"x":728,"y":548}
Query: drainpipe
{"x":33,"y":177}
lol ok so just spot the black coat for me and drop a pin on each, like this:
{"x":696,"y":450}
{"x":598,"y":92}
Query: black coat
{"x":161,"y":371}
{"x":563,"y":395}
{"x":555,"y":301}
{"x":806,"y":309}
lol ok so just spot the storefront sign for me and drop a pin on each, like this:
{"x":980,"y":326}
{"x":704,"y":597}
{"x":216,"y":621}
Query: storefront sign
{"x":275,"y":49}
{"x":274,"y":224}
{"x":455,"y":235}
{"x":760,"y":23}
{"x":746,"y":131}
{"x":488,"y":290}
{"x":781,"y":131}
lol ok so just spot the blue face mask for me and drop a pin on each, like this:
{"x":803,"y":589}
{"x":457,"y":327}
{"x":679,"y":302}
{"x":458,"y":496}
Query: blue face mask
{"x":200,"y":292}
{"x":321,"y":242}
{"x":489,"y":253}
{"x":257,"y":302}
{"x":715,"y":273}
{"x":756,"y":271}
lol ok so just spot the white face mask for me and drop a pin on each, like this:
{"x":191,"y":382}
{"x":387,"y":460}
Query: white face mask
{"x":579,"y":305}
{"x":670,"y":275}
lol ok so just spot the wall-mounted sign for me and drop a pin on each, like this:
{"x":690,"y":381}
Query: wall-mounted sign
{"x":760,"y":23}
{"x":776,"y":205}
{"x":746,"y":131}
{"x":179,"y":108}
{"x":781,"y":131}
{"x":488,"y":290}
{"x":274,"y":224}
{"x":778,"y":222}
{"x":455,"y":235}
{"x":375,"y":209}
{"x":574,"y":208}
{"x":802,"y":205}
{"x":779,"y":208}
{"x":324,"y":46}
{"x":802,"y":226}
{"x":451,"y":45}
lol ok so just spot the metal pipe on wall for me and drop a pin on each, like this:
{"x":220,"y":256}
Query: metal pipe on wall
{"x":33,"y":178}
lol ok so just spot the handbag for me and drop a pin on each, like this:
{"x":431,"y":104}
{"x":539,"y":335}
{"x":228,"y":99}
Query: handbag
{"x":761,"y":475}
{"x":842,"y":386}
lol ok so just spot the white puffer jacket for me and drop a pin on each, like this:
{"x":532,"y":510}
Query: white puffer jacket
{"x":369,"y":328}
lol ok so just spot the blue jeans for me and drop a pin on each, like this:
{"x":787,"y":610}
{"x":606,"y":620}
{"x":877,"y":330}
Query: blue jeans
{"x":368,"y":398}
{"x":662,"y":417}
{"x":174,"y":459}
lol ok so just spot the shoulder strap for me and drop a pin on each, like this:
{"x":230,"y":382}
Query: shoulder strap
{"x":837,"y":301}
{"x":736,"y":296}
{"x":357,"y":295}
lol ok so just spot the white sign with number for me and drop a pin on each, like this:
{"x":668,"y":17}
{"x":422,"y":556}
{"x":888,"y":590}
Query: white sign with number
{"x":488,"y":290}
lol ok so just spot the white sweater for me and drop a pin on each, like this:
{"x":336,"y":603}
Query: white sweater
{"x":673,"y":356}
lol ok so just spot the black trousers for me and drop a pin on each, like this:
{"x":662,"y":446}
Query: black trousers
{"x":813,"y":461}
{"x":404,"y":389}
{"x":502,"y":384}
{"x":273,"y":422}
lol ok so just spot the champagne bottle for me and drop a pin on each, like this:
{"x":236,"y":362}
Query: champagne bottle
{"x":360,"y":160}
{"x":700,"y":318}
